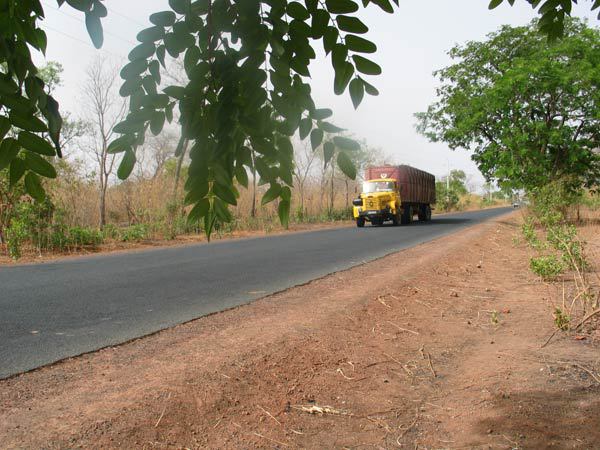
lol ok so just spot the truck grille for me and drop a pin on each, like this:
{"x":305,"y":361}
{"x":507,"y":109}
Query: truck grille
{"x":371,"y":204}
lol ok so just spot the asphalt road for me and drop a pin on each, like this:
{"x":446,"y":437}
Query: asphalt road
{"x":60,"y":309}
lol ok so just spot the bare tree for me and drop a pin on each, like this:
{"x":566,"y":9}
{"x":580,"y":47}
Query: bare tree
{"x":154,"y":154}
{"x":304,"y":158}
{"x":104,"y":108}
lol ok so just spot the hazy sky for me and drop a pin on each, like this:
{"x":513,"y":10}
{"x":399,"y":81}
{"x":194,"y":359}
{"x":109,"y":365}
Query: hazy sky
{"x":412,"y":43}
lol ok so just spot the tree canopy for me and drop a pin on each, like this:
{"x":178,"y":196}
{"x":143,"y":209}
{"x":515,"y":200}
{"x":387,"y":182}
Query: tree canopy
{"x":248,"y":89}
{"x":527,"y":107}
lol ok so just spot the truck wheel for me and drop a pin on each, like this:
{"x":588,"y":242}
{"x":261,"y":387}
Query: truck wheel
{"x":396,"y":218}
{"x":407,"y":215}
{"x":360,"y":222}
{"x":427,"y":213}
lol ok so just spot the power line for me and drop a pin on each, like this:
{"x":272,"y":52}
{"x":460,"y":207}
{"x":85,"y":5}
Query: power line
{"x":78,"y":19}
{"x":113,"y":11}
{"x":81,"y":41}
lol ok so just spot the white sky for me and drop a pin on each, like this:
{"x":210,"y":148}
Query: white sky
{"x":412,"y":43}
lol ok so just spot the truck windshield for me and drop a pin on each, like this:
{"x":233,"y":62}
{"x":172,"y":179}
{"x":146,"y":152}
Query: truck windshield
{"x":378,"y":186}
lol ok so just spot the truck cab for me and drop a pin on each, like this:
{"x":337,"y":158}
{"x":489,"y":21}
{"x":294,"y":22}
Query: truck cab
{"x":379,"y":202}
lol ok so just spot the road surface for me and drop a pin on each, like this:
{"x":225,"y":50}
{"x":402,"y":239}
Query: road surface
{"x":64,"y":308}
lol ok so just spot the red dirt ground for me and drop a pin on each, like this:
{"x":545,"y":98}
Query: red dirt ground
{"x":403,"y":352}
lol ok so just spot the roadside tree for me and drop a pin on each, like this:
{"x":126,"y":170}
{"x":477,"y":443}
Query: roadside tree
{"x":529,"y":109}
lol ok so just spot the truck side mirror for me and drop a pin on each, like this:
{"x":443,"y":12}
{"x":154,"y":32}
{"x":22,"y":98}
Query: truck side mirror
{"x":357,"y":202}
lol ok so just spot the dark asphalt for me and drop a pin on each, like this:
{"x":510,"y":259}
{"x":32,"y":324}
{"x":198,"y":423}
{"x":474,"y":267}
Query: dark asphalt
{"x":59,"y":309}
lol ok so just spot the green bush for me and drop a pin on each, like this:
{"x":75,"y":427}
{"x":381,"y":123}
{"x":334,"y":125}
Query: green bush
{"x":564,"y":239}
{"x":529,"y":233}
{"x":548,"y":267}
{"x":134,"y":233}
{"x":16,"y":234}
{"x":85,"y":237}
{"x":110,"y":231}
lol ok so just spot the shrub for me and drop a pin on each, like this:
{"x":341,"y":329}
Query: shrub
{"x":15,"y":235}
{"x":529,"y":233}
{"x":564,"y":239}
{"x":81,"y":237}
{"x":110,"y":231}
{"x":561,"y":319}
{"x":548,"y":267}
{"x":134,"y":233}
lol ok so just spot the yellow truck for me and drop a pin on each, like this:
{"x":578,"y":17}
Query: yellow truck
{"x":396,"y":194}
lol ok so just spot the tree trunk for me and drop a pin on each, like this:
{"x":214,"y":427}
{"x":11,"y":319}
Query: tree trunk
{"x":332,"y":193}
{"x":103,"y":205}
{"x":178,"y":170}
{"x":253,"y":206}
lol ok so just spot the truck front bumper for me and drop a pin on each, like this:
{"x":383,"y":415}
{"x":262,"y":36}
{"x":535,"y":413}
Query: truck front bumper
{"x":385,"y":214}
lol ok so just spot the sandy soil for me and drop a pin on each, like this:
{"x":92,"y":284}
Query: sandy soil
{"x":437,"y":346}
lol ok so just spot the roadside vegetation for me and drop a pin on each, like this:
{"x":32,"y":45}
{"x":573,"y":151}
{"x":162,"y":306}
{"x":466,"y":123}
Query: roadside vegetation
{"x":529,"y":109}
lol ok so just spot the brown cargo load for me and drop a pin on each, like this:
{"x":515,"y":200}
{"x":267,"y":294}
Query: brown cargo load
{"x":416,"y":186}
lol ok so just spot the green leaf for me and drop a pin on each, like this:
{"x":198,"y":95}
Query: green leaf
{"x":9,"y":149}
{"x":36,"y":144}
{"x":366,"y":66}
{"x":346,"y":165}
{"x":297,"y":11}
{"x":121,"y":144}
{"x":316,"y":137}
{"x":29,"y":123}
{"x":319,"y":22}
{"x":134,"y":69}
{"x":94,"y":28}
{"x":39,"y":165}
{"x":180,"y":6}
{"x":305,"y":127}
{"x":163,"y":19}
{"x":329,"y":128}
{"x":142,"y":51}
{"x":241,"y":175}
{"x":330,"y":38}
{"x":321,"y":114}
{"x":198,"y":190}
{"x":225,"y":193}
{"x":343,"y":75}
{"x":370,"y":89}
{"x":176,"y":92}
{"x":345,"y":143}
{"x":359,"y":44}
{"x":283,"y":210}
{"x":357,"y":91}
{"x":222,"y":210}
{"x":127,"y":164}
{"x":341,"y":6}
{"x":328,"y":152}
{"x":351,"y":24}
{"x":16,"y":171}
{"x":199,"y":211}
{"x":495,"y":3}
{"x":4,"y":127}
{"x":271,"y":194}
{"x":151,"y":34}
{"x":157,"y":122}
{"x":34,"y":188}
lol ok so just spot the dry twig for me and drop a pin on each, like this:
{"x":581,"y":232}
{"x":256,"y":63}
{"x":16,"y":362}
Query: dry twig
{"x":402,"y":329}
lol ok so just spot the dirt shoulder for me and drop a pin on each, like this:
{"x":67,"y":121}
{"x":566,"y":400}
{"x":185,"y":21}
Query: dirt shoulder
{"x":437,"y":346}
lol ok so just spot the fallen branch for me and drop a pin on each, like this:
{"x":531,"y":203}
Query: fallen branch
{"x":431,"y":365}
{"x":321,"y":410}
{"x":588,"y":317}
{"x":270,"y":415}
{"x":163,"y":412}
{"x":402,"y":329}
